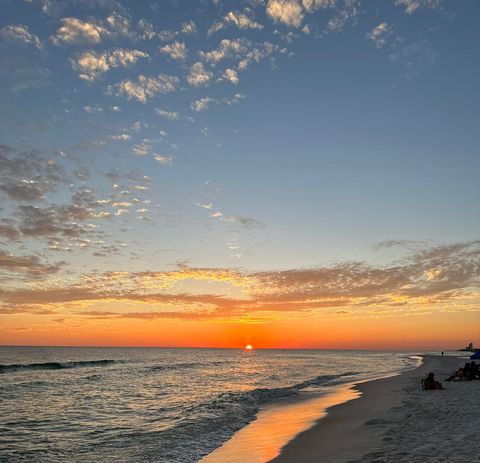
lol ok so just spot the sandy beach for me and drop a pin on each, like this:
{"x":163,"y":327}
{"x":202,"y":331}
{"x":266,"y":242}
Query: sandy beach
{"x":393,"y":421}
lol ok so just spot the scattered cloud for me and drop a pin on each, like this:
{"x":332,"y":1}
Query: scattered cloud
{"x":176,"y":50}
{"x":198,"y":75}
{"x":288,"y":12}
{"x":240,"y":20}
{"x":227,"y":48}
{"x":19,"y":34}
{"x":430,"y":279}
{"x":92,"y":66}
{"x":205,"y":103}
{"x":413,"y":5}
{"x":379,"y":34}
{"x":77,"y":32}
{"x":28,"y":175}
{"x":144,"y":87}
{"x":172,"y":115}
{"x":28,"y":265}
{"x":231,"y":75}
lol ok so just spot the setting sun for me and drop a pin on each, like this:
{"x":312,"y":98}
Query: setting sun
{"x":248,"y":347}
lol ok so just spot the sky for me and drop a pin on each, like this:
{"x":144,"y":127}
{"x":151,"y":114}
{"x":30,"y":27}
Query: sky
{"x":281,"y":173}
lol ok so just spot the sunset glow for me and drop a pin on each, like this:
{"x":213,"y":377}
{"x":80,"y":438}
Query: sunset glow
{"x":235,"y":172}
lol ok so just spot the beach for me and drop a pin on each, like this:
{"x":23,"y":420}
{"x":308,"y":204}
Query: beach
{"x":394,"y":421}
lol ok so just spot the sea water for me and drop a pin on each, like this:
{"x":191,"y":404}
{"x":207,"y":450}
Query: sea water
{"x":60,"y":404}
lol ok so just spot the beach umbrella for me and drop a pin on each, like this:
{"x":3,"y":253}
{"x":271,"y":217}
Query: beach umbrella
{"x":475,"y":356}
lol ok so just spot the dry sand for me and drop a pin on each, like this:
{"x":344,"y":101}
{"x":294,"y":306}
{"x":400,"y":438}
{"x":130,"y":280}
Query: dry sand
{"x":394,"y":422}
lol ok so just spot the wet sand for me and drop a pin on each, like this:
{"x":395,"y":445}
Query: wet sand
{"x":394,"y":422}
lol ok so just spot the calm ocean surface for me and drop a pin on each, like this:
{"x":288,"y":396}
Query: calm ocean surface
{"x":155,"y":405}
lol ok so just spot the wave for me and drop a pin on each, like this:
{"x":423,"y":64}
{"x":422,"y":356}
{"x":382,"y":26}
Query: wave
{"x":55,"y":365}
{"x":175,"y":366}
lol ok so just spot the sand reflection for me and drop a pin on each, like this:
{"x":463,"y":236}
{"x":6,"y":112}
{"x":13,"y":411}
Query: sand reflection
{"x":276,"y":425}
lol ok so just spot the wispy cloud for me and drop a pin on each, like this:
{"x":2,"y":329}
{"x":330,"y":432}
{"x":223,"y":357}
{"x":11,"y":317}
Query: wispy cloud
{"x":19,"y":34}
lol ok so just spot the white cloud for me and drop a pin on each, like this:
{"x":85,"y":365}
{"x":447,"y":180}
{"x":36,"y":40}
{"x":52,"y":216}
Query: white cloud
{"x":240,"y":20}
{"x":231,"y":75}
{"x":226,"y":49}
{"x":379,"y":34}
{"x":188,"y":27}
{"x":198,"y":75}
{"x":120,"y":137}
{"x":164,"y":160}
{"x":141,"y":149}
{"x":311,"y":5}
{"x":288,"y":12}
{"x":91,"y":65}
{"x":75,"y":32}
{"x":172,"y":115}
{"x":19,"y":34}
{"x":258,"y":54}
{"x":412,"y":5}
{"x":202,"y":104}
{"x":146,"y":29}
{"x":145,"y":87}
{"x":348,"y":13}
{"x":176,"y":50}
{"x":93,"y":109}
{"x":207,"y":102}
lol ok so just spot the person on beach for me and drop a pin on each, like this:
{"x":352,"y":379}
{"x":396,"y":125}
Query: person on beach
{"x":458,"y":375}
{"x":430,"y":383}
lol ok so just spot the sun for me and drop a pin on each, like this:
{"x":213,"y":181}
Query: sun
{"x":248,"y":347}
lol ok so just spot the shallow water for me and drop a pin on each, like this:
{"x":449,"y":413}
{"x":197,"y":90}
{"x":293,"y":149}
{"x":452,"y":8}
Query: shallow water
{"x":155,"y":405}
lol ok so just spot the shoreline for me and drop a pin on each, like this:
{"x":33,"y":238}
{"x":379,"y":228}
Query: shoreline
{"x":370,"y":424}
{"x":280,"y":422}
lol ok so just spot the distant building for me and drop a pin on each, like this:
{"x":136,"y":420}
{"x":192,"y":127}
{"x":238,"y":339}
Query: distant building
{"x":469,"y":348}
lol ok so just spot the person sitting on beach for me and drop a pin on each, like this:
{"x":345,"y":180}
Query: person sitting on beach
{"x":456,"y":376}
{"x":430,"y":383}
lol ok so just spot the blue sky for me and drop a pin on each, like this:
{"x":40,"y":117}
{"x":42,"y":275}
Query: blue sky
{"x":254,"y":135}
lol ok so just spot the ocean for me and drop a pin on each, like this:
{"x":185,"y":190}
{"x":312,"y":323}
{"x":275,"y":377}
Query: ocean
{"x":158,"y":405}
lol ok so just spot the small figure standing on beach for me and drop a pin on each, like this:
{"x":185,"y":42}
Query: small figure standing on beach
{"x":442,"y":353}
{"x":430,"y":383}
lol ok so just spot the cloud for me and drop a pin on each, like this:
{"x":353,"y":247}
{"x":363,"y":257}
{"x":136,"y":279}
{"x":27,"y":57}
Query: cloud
{"x":413,"y":5}
{"x":311,"y":5}
{"x":413,"y":58}
{"x":8,"y":231}
{"x":74,"y":31}
{"x":172,"y":115}
{"x":240,"y":20}
{"x":202,"y":104}
{"x":379,"y":34}
{"x":231,"y":75}
{"x":120,"y":137}
{"x":432,"y":279}
{"x":28,"y":265}
{"x":198,"y":75}
{"x":20,"y":35}
{"x":349,"y":13}
{"x":144,"y":87}
{"x":205,"y":103}
{"x":226,"y":49}
{"x":176,"y":50}
{"x":288,"y":12}
{"x":28,"y":176}
{"x":92,"y":66}
{"x":77,"y":32}
{"x":162,"y":159}
{"x":188,"y":28}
